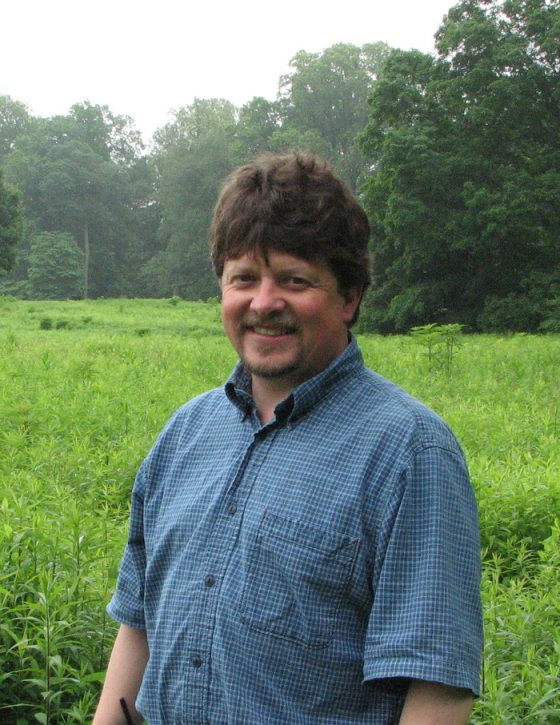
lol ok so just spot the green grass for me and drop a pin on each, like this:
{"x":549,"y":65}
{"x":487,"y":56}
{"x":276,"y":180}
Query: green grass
{"x":81,"y":401}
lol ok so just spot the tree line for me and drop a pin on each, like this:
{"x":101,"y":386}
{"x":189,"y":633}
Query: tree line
{"x":454,"y":155}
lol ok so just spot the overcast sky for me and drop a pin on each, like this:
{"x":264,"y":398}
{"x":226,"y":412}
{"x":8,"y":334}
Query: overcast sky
{"x":144,"y":59}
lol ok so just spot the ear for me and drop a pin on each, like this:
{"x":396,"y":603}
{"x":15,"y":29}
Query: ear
{"x":352,"y":299}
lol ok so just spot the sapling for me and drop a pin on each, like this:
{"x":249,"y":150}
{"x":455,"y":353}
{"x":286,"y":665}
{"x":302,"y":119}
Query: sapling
{"x":440,"y":343}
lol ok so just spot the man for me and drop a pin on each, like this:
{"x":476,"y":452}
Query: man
{"x":304,"y":543}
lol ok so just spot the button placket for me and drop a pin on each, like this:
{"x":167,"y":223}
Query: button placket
{"x":222,"y":541}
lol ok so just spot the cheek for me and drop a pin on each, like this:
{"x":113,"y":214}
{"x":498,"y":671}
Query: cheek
{"x":228,"y":319}
{"x":230,"y":308}
{"x":316,"y":315}
{"x":311,"y":309}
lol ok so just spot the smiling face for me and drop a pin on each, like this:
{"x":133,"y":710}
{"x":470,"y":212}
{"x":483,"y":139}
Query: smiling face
{"x":284,"y":316}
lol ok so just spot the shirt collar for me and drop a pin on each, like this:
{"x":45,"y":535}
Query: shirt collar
{"x":304,"y":396}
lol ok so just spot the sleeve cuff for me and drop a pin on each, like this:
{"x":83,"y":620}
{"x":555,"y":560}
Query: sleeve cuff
{"x":446,"y":672}
{"x":125,"y":615}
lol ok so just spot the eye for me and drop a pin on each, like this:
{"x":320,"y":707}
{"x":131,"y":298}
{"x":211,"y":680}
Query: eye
{"x":296,"y":282}
{"x":243,"y":279}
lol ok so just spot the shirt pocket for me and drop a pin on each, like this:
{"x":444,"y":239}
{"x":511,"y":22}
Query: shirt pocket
{"x":296,"y":576}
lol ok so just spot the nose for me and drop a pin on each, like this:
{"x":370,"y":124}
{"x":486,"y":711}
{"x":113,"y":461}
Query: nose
{"x":267,"y":298}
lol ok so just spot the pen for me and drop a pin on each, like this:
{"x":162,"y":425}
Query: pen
{"x":124,"y":707}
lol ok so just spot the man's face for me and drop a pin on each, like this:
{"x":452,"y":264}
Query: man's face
{"x":285,"y":317}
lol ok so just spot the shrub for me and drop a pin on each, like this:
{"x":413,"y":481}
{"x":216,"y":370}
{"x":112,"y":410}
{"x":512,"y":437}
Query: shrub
{"x":514,"y":313}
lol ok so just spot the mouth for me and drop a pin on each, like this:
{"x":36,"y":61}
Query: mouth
{"x":276,"y":331}
{"x":272,"y":331}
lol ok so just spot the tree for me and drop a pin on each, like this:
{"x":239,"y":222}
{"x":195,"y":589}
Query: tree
{"x":70,"y":182}
{"x":144,"y":223}
{"x":55,"y":266}
{"x":465,"y":153}
{"x":15,"y":121}
{"x":257,"y":121}
{"x":193,"y":155}
{"x":261,"y":128}
{"x":10,"y":225}
{"x":327,"y":93}
{"x":112,"y":137}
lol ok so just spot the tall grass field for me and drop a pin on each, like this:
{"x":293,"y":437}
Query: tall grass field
{"x":86,"y":386}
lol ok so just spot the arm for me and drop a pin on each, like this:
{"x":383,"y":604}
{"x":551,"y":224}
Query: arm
{"x":429,"y":703}
{"x":124,"y":676}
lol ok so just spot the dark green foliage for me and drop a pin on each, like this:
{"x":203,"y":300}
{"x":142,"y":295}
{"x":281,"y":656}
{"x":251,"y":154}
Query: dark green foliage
{"x":511,"y":313}
{"x":56,"y":266}
{"x":10,"y":225}
{"x":464,"y":201}
{"x":535,"y":307}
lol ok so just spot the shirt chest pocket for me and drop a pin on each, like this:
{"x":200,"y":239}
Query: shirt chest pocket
{"x":295,"y":578}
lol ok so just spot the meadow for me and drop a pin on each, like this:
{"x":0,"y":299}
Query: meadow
{"x":85,"y":386}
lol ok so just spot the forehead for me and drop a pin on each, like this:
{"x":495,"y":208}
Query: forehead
{"x":274,"y":260}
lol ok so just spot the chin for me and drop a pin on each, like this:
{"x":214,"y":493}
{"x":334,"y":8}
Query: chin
{"x":269,"y":371}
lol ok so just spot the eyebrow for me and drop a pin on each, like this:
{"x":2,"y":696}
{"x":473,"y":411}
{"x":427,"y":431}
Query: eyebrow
{"x":241,"y":268}
{"x":297,"y":271}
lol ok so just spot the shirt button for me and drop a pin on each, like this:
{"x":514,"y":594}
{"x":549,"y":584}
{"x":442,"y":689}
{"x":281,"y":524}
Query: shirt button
{"x":232,"y":508}
{"x":197,"y":662}
{"x":209,"y":580}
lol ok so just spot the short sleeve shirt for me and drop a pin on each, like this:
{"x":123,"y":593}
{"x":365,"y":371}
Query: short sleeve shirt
{"x":302,"y":571}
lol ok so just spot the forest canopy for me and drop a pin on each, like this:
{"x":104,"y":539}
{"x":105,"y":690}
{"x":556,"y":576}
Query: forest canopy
{"x":455,"y":156}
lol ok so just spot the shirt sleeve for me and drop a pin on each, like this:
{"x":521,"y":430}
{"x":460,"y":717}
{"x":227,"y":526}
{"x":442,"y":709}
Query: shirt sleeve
{"x":426,"y":621}
{"x":127,"y":603}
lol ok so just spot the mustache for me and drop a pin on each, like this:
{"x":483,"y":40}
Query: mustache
{"x":273,"y":321}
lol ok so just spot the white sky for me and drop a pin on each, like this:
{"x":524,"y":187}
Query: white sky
{"x":144,"y":59}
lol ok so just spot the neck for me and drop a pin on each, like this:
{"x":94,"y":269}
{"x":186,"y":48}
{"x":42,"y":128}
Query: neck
{"x":267,"y":394}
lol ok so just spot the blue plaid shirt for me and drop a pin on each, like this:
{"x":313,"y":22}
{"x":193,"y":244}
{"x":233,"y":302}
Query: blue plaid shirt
{"x":304,"y":570}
